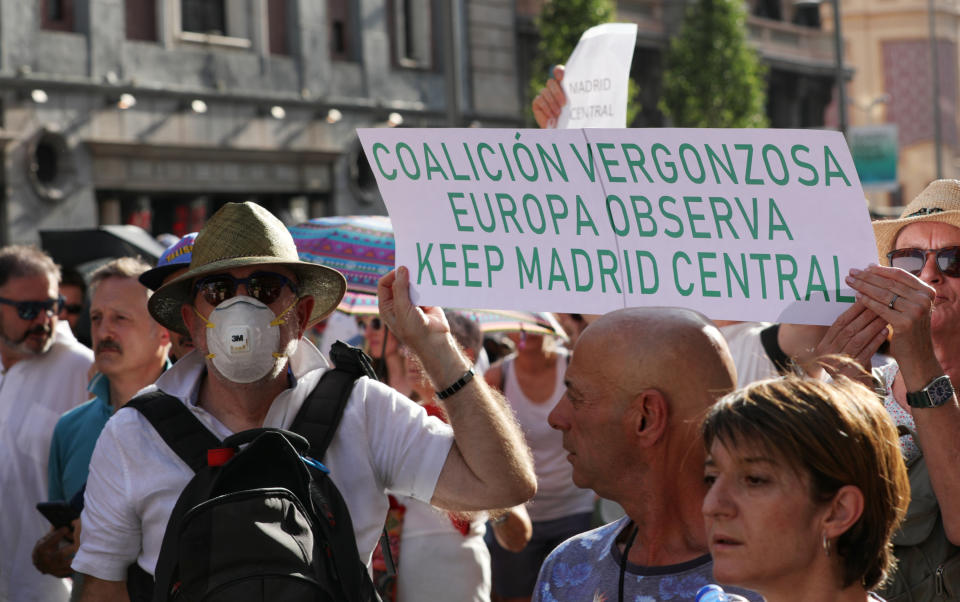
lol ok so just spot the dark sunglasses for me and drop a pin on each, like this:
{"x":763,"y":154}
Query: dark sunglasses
{"x":374,"y":324}
{"x":913,"y":260}
{"x":73,"y":309}
{"x":265,"y":287}
{"x":28,"y":310}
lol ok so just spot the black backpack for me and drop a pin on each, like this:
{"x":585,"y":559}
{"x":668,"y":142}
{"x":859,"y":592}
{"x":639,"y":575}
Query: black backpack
{"x":267,"y":523}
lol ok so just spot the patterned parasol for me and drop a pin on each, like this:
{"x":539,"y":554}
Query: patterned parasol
{"x":360,"y":247}
{"x":495,"y":320}
{"x":361,"y":304}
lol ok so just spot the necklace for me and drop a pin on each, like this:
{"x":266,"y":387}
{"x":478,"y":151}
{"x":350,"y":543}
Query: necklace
{"x":623,"y":560}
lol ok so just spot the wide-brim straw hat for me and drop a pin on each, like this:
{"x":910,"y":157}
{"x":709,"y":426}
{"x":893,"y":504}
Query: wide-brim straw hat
{"x":939,"y":202}
{"x":242,"y":235}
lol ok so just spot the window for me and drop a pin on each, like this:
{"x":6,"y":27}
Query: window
{"x":340,"y":30}
{"x":219,"y":22}
{"x":768,"y":9}
{"x":203,"y":16}
{"x":56,"y":15}
{"x":412,"y":33}
{"x":141,"y":19}
{"x":277,"y":26}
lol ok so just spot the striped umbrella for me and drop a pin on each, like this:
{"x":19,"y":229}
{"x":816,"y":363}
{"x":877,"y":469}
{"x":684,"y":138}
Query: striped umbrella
{"x":360,"y":247}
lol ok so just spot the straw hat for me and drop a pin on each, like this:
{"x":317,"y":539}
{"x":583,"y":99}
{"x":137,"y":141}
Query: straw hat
{"x":939,"y":202}
{"x":241,"y":235}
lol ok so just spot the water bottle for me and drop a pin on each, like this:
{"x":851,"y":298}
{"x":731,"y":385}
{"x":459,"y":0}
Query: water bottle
{"x":715,"y":593}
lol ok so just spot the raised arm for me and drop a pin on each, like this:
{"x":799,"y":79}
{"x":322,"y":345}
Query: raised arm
{"x":489,"y":465}
{"x":549,"y":102}
{"x":906,"y":303}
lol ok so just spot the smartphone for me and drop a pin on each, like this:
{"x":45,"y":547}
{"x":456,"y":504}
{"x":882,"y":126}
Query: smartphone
{"x":60,"y":514}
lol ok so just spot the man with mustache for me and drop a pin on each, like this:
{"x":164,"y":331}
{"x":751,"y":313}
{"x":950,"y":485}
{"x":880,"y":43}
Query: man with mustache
{"x":130,"y":352}
{"x":44,"y":374}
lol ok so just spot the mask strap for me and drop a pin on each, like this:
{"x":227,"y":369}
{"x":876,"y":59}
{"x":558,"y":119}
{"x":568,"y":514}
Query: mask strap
{"x":280,"y":319}
{"x":209,"y":324}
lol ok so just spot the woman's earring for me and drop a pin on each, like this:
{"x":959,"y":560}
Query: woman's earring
{"x":826,"y":545}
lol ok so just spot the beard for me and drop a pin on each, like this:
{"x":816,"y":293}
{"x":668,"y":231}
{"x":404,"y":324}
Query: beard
{"x":23,"y":346}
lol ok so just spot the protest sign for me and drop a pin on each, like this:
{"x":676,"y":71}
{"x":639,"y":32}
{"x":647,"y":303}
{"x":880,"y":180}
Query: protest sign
{"x":596,"y":78}
{"x":737,"y":224}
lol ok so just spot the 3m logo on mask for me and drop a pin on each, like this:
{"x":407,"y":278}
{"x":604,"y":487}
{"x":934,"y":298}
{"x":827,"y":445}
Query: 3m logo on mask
{"x":239,"y":339}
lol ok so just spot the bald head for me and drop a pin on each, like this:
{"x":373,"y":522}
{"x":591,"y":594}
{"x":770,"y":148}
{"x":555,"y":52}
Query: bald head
{"x":676,"y":351}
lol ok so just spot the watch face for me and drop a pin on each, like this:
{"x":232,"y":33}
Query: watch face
{"x":940,"y":391}
{"x":937,"y":393}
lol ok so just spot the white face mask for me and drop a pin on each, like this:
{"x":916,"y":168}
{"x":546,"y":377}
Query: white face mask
{"x":243,"y":338}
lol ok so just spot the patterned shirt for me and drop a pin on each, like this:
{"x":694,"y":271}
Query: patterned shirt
{"x":586,"y":568}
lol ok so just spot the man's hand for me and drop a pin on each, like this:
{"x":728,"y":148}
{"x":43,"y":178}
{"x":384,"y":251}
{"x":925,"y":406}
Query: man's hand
{"x":549,"y":102}
{"x":414,"y":326}
{"x":906,"y":303}
{"x":54,"y":552}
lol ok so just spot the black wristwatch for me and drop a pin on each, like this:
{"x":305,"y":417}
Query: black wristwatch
{"x":938,"y":392}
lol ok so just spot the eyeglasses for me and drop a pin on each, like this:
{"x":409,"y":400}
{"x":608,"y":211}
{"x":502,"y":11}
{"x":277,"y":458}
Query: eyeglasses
{"x":913,"y":260}
{"x":265,"y":287}
{"x":374,"y":324}
{"x":73,"y":309}
{"x":28,"y":310}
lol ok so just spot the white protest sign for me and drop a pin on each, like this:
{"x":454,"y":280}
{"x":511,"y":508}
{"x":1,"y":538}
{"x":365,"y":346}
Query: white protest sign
{"x":596,"y":78}
{"x":738,"y":224}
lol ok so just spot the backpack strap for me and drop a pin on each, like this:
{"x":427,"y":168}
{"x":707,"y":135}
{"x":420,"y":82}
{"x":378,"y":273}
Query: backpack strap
{"x":177,"y":426}
{"x":189,"y":439}
{"x":323,"y":408}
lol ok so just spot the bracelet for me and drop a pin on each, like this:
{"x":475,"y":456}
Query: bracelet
{"x":466,"y":378}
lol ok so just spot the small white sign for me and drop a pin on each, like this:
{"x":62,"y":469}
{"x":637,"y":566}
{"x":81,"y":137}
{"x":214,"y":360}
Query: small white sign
{"x":596,"y":78}
{"x":747,"y":224}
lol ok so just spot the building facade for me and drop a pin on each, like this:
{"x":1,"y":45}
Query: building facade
{"x":890,"y":43}
{"x":155,"y":112}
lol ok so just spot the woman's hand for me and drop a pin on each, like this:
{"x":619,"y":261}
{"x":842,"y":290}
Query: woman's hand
{"x":856,"y":333}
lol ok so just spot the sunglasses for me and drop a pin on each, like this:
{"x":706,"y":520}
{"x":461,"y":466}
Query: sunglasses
{"x":265,"y":287}
{"x":913,"y":260}
{"x":374,"y":324}
{"x":28,"y":310}
{"x":73,"y":309}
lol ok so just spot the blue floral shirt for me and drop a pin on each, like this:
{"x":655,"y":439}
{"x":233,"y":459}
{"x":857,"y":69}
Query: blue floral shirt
{"x":586,"y":568}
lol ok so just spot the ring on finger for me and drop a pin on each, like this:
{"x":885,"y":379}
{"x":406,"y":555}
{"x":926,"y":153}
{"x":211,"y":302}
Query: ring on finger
{"x":892,"y":301}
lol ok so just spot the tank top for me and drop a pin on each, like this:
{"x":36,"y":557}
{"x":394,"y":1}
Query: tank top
{"x":556,"y":496}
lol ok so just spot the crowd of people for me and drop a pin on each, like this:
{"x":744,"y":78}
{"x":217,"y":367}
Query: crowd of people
{"x":782,"y":462}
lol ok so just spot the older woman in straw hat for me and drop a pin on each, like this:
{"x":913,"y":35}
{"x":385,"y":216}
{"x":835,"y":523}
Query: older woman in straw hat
{"x":917,"y":293}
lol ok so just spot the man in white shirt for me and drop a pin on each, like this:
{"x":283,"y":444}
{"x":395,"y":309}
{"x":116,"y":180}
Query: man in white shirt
{"x":44,"y":375}
{"x":246,"y":286}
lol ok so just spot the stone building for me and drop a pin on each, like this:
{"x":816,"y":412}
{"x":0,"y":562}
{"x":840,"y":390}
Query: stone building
{"x":155,"y":112}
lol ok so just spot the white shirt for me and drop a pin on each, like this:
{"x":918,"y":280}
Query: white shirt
{"x":749,"y":356}
{"x":34,"y":392}
{"x":385,"y":442}
{"x":557,"y":495}
{"x":437,"y":561}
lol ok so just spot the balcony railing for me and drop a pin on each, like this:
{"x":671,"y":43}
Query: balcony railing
{"x":791,"y":42}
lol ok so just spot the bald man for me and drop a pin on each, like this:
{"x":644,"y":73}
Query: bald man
{"x":637,"y":387}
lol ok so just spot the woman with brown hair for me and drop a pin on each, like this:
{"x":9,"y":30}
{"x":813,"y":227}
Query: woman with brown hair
{"x":806,"y":488}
